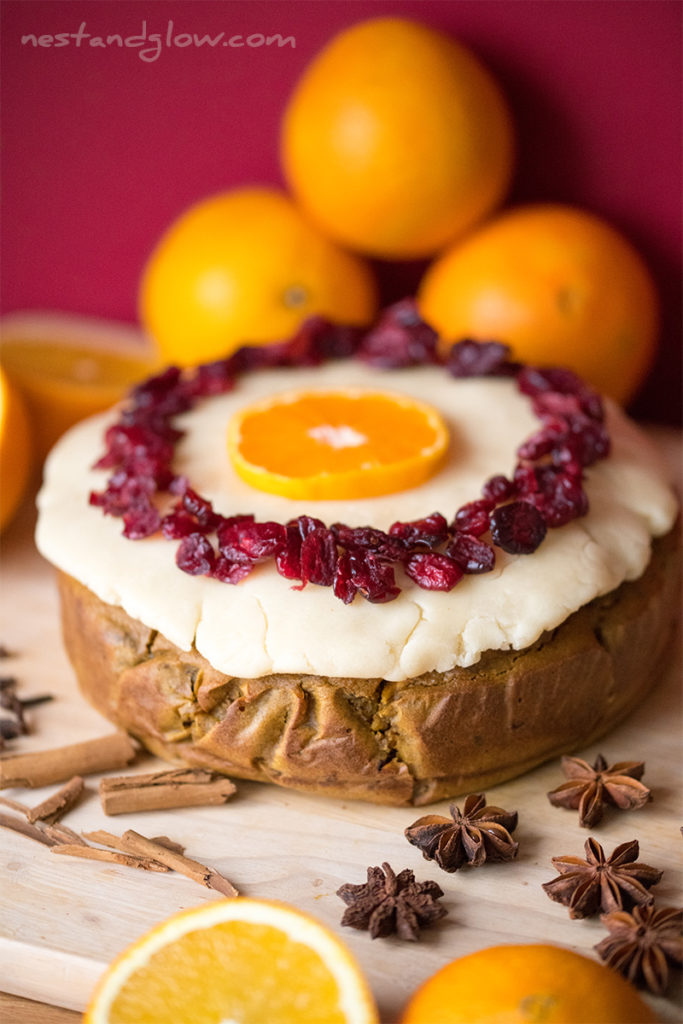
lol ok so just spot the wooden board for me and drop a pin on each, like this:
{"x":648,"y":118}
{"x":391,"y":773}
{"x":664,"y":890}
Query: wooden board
{"x":63,"y":920}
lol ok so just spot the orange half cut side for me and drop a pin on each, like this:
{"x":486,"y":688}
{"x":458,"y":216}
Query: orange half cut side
{"x":240,"y":960}
{"x":336,"y":444}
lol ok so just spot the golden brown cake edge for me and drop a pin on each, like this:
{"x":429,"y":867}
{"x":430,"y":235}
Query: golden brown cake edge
{"x":409,"y":742}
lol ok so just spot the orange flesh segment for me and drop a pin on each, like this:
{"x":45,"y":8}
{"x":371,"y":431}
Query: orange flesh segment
{"x":203,"y":985}
{"x":337,"y":444}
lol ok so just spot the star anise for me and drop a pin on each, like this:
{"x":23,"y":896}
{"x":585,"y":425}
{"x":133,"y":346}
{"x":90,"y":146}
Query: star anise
{"x":390,"y":902}
{"x":590,"y":789}
{"x":477,"y":834}
{"x":641,"y":944}
{"x":600,"y":882}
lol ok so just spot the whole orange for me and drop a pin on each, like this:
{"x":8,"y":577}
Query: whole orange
{"x":559,"y":285}
{"x":534,"y":984}
{"x":246,"y":267}
{"x":396,"y":139}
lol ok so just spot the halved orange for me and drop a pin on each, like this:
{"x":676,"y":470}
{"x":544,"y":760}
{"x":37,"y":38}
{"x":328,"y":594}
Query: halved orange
{"x":69,"y":367}
{"x":336,"y":444}
{"x":241,"y":960}
{"x":15,"y":449}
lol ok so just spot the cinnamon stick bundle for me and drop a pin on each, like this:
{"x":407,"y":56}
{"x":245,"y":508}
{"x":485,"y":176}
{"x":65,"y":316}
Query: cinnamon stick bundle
{"x":178,"y":862}
{"x":41,"y":768}
{"x":110,"y":856}
{"x":182,"y":787}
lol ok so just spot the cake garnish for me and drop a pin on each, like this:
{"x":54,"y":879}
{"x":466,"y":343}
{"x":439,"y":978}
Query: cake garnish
{"x":390,"y":902}
{"x":641,"y":944}
{"x":591,"y":788}
{"x":472,"y":836}
{"x":545,"y":490}
{"x":518,"y":527}
{"x":617,"y":882}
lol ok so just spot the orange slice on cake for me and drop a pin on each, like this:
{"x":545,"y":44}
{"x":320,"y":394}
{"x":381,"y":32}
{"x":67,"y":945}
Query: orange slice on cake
{"x":336,"y":444}
{"x":240,"y":960}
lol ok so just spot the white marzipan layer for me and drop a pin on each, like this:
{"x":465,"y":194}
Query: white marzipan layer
{"x":263,"y":625}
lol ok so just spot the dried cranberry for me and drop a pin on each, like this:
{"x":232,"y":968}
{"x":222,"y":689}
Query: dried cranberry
{"x":344,"y":587}
{"x":433,"y":571}
{"x":288,"y":560}
{"x":468,"y":358}
{"x":497,"y":488}
{"x":306,"y":525}
{"x":229,"y":571}
{"x":160,"y":397}
{"x":429,"y":532}
{"x":195,"y":555}
{"x":534,"y":379}
{"x":340,"y":341}
{"x":593,"y":443}
{"x":368,"y":537}
{"x":562,"y":499}
{"x":178,"y":524}
{"x":319,"y":557}
{"x":555,"y":403}
{"x":471,"y":554}
{"x":123,"y":493}
{"x":400,"y":338}
{"x":201,"y":509}
{"x":553,"y":433}
{"x":518,"y":528}
{"x":141,"y":521}
{"x":474,"y":517}
{"x":126,"y":440}
{"x":525,"y":480}
{"x":215,"y":378}
{"x":318,"y":339}
{"x":372,"y":577}
{"x":261,"y":540}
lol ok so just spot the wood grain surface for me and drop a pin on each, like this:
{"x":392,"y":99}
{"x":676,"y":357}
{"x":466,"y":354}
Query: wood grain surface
{"x":63,"y":920}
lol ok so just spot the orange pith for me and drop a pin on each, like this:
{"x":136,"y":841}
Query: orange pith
{"x":336,"y":444}
{"x":237,"y":960}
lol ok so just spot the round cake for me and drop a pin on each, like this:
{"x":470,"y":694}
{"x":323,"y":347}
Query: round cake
{"x":441,"y":681}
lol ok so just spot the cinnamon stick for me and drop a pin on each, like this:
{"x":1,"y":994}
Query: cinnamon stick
{"x":163,"y":790}
{"x":177,"y":862}
{"x":60,"y":833}
{"x":106,"y":753}
{"x":52,"y":809}
{"x":15,"y":805}
{"x":111,"y":856}
{"x":25,"y":829}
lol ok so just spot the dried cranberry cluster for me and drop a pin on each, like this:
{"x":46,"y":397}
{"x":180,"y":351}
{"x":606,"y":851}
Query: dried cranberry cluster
{"x":545,"y":489}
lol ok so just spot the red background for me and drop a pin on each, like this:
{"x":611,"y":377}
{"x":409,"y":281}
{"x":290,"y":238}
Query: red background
{"x":102,"y":150}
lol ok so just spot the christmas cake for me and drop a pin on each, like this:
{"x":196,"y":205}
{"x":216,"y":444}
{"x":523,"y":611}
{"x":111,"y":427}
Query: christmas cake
{"x":400,"y":647}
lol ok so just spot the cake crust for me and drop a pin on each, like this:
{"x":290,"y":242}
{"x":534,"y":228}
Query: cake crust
{"x":413,"y":741}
